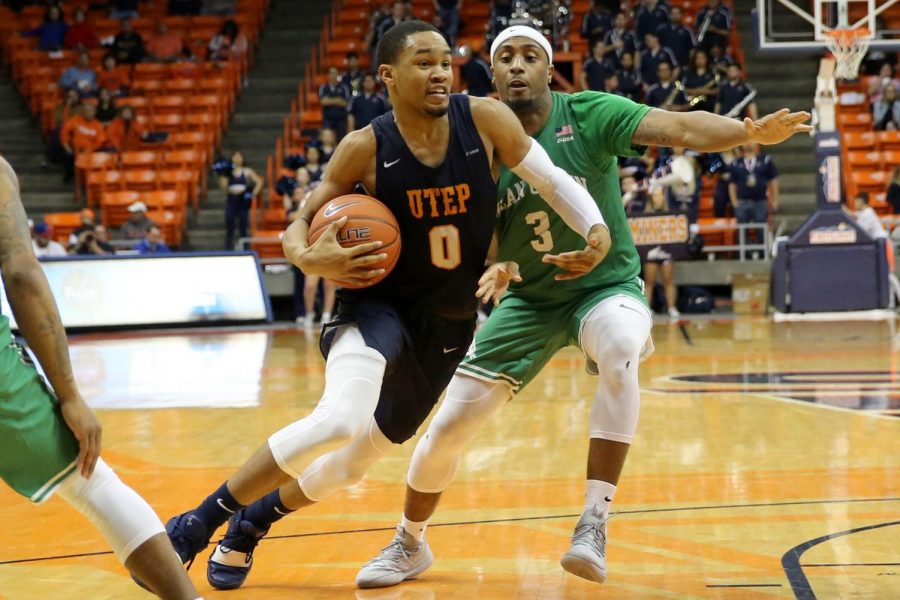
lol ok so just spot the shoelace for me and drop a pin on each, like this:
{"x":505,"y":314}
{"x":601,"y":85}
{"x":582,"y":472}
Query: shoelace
{"x":243,"y":542}
{"x":596,"y":535}
{"x":391,"y":553}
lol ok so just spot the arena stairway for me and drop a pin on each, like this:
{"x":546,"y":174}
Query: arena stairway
{"x":291,"y":31}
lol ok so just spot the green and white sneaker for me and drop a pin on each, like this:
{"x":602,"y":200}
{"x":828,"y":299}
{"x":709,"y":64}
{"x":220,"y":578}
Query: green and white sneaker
{"x":404,"y":558}
{"x":586,"y":557}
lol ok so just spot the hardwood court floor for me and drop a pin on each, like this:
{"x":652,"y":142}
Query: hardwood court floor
{"x":732,"y":489}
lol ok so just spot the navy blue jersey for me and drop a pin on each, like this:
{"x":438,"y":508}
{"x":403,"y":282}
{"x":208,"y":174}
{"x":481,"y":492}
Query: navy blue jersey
{"x":446,"y":216}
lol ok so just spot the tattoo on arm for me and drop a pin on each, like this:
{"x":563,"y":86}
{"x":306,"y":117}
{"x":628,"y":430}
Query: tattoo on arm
{"x":14,"y":233}
{"x":655,"y":130}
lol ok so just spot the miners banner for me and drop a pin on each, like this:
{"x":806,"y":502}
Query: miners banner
{"x":661,"y":234}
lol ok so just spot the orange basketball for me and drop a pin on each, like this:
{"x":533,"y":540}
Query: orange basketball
{"x":368,"y":220}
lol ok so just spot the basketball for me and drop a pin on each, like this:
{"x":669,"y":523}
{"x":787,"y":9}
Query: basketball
{"x":368,"y":220}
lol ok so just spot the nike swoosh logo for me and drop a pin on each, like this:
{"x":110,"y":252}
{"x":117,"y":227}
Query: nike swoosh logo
{"x":222,"y":506}
{"x":279,"y":512}
{"x":449,"y":350}
{"x":608,"y":499}
{"x":333,"y":209}
{"x":388,"y":165}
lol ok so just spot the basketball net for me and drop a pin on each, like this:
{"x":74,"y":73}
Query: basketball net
{"x":849,"y":47}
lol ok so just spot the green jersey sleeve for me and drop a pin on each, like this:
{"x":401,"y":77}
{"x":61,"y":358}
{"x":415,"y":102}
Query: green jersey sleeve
{"x":607,"y":122}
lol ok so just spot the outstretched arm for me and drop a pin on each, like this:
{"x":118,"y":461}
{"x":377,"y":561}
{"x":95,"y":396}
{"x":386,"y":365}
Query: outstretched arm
{"x":707,"y":132}
{"x":38,"y":318}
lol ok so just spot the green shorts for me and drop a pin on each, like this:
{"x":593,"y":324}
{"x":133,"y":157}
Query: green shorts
{"x":37,"y":449}
{"x":520,"y":337}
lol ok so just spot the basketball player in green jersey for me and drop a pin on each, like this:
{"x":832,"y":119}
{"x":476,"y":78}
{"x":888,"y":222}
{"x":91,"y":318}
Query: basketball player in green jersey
{"x":49,"y":438}
{"x":555,"y":297}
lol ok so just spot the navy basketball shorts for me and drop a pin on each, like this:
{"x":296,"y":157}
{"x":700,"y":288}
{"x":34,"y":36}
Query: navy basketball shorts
{"x":422,"y":351}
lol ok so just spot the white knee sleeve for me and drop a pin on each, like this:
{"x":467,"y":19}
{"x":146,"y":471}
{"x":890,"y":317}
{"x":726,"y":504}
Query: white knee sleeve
{"x":344,"y":466}
{"x":353,"y":376}
{"x":616,"y":335}
{"x":123,"y":517}
{"x":469,"y":404}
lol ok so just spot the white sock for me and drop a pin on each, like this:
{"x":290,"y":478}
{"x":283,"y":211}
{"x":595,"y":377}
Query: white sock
{"x":326,"y":317}
{"x":599,"y":494}
{"x":414,"y":528}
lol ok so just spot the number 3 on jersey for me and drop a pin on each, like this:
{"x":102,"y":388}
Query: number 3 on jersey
{"x":445,"y":251}
{"x":541,"y":223}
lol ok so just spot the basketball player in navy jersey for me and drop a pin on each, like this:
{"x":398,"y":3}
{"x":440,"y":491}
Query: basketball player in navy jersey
{"x":393,"y":346}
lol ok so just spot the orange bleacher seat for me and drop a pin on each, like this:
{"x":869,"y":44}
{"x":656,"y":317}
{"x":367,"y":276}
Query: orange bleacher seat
{"x":88,"y":163}
{"x":855,"y":122}
{"x":63,"y":224}
{"x":888,"y":140}
{"x":181,"y":87}
{"x":149,"y":72}
{"x":141,"y":180}
{"x":168,"y":105}
{"x":890,"y":159}
{"x":169,"y":123}
{"x":184,"y":182}
{"x":148,"y":87}
{"x":865,"y":140}
{"x":114,"y":207}
{"x":863,"y":181}
{"x":139,"y":160}
{"x":864,"y":161}
{"x":716,"y":232}
{"x":188,"y":160}
{"x":140,"y":104}
{"x":164,"y":200}
{"x":170,"y":223}
{"x":271,"y":248}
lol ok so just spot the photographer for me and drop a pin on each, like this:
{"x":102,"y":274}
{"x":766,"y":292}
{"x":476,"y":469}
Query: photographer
{"x":93,"y":242}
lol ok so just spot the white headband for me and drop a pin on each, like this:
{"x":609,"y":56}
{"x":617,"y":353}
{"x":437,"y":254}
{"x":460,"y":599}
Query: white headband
{"x":522,"y":31}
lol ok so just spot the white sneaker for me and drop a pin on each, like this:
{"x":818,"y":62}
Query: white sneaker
{"x":586,"y":557}
{"x":673,"y":312}
{"x":404,"y":558}
{"x":326,"y":318}
{"x":308,"y":322}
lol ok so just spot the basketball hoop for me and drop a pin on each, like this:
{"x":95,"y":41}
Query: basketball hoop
{"x":848,"y":46}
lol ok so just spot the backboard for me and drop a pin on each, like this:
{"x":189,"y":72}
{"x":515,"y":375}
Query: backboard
{"x":789,"y":27}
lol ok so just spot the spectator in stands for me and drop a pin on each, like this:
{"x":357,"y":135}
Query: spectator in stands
{"x":138,"y":224}
{"x":681,"y":183}
{"x":327,"y":142}
{"x":44,"y":246}
{"x":220,"y":8}
{"x":153,"y":242}
{"x":596,"y":23}
{"x":701,"y":83}
{"x":398,"y":14}
{"x":611,"y":84}
{"x":666,"y":93}
{"x":313,"y":165}
{"x":735,"y":98}
{"x":334,"y":98}
{"x":88,"y":220}
{"x":650,"y":58}
{"x":68,"y":107}
{"x":366,"y":106}
{"x":294,"y":202}
{"x":501,"y":13}
{"x":629,"y":78}
{"x":619,"y":41}
{"x":230,"y":44}
{"x":884,"y":79}
{"x":658,"y":261}
{"x":106,"y":107}
{"x":438,"y":22}
{"x":92,"y":241}
{"x":166,"y":46}
{"x":754,"y":184}
{"x":676,"y":37}
{"x":370,"y":40}
{"x":125,"y":132}
{"x":113,"y":77}
{"x":649,"y":17}
{"x":123,"y":9}
{"x":80,"y":77}
{"x":128,"y":45}
{"x":82,"y":133}
{"x":243,"y":184}
{"x":353,"y":78}
{"x":634,"y":196}
{"x":893,"y":191}
{"x":721,"y":195}
{"x":720,"y":60}
{"x":596,"y":68}
{"x":80,"y":34}
{"x":867,"y":218}
{"x":52,"y":32}
{"x":185,"y":8}
{"x":713,"y":25}
{"x":449,"y":13}
{"x":886,"y":112}
{"x":477,"y":73}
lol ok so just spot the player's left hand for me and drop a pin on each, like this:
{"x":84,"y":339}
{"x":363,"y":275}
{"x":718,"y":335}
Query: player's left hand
{"x":84,"y":424}
{"x":777,"y":127}
{"x":495,"y":280}
{"x":581,"y":262}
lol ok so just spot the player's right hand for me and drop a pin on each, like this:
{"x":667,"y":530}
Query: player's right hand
{"x":495,"y":280}
{"x":84,"y":424}
{"x":330,"y":260}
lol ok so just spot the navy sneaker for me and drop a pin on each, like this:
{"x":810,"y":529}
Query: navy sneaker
{"x":232,"y":559}
{"x":189,"y":535}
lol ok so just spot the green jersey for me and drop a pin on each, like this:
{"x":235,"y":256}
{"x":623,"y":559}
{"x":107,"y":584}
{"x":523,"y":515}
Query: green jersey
{"x":583,"y":135}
